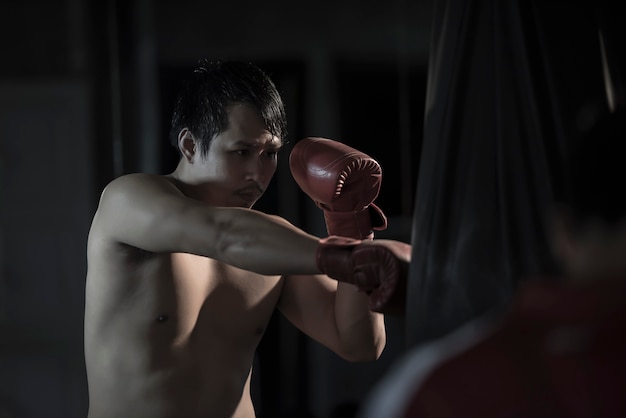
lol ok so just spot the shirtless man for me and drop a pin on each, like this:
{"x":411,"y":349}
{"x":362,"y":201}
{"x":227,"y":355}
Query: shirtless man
{"x":183,"y":276}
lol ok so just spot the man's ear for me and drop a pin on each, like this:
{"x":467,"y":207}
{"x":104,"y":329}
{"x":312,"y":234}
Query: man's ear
{"x":187,"y":144}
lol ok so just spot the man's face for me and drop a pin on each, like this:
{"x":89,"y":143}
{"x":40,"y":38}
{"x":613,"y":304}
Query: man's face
{"x":241,"y":161}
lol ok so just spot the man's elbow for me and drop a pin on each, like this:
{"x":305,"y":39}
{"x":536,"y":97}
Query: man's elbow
{"x":365,"y":352}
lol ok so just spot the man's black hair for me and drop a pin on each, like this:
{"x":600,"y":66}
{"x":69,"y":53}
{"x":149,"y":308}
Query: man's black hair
{"x":202,"y":103}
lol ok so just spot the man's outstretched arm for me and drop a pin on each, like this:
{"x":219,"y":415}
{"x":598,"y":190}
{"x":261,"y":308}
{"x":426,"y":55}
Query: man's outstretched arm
{"x":148,"y":212}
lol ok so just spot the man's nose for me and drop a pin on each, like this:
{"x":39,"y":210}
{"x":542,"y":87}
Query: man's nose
{"x":256,"y":170}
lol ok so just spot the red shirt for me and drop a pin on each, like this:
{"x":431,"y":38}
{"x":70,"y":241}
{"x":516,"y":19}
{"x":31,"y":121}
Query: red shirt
{"x":559,"y":352}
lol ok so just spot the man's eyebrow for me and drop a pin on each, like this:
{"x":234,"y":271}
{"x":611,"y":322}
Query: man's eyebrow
{"x":276,"y":145}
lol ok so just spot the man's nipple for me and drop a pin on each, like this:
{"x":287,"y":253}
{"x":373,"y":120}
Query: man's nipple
{"x":162,"y":318}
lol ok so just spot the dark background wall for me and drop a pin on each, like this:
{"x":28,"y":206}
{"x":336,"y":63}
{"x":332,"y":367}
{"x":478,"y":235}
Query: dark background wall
{"x":86,"y":88}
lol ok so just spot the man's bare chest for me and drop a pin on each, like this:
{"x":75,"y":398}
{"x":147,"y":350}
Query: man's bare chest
{"x":205,"y":297}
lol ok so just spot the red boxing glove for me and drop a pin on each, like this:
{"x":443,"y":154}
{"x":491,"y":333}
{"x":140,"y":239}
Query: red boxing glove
{"x":378,"y":267}
{"x":343,"y":182}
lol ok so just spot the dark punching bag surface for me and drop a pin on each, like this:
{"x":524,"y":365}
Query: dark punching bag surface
{"x":509,"y":82}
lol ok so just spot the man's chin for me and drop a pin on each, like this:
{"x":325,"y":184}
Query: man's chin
{"x":245,"y":204}
{"x":247,"y":201}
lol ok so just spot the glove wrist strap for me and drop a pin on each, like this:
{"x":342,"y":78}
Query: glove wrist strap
{"x":333,"y":257}
{"x":355,"y":224}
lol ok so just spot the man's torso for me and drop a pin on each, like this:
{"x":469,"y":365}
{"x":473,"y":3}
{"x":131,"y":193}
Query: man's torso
{"x":171,"y":335}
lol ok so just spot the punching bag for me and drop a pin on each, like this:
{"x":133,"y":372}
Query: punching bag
{"x":510,"y":82}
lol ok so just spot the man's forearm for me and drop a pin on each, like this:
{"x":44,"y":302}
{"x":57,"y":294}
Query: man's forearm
{"x":264,"y":244}
{"x":361,"y":330}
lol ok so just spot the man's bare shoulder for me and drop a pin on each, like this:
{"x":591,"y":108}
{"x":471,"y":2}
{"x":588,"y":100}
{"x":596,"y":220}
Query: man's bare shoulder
{"x":123,"y":190}
{"x":127,"y":202}
{"x":130,"y":184}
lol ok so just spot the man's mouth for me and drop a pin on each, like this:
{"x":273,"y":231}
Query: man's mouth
{"x":250,"y":194}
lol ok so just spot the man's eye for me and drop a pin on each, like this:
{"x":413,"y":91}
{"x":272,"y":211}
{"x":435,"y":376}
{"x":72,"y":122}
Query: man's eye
{"x":272,"y":154}
{"x":242,"y":152}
